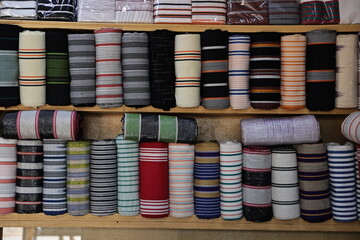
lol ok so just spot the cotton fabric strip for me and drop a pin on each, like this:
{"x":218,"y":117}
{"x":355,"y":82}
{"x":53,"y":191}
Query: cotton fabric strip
{"x":248,"y":12}
{"x":136,"y":69}
{"x":54,"y":189}
{"x":18,"y":9}
{"x":64,"y":10}
{"x":7,"y":175}
{"x":314,"y":185}
{"x":349,"y":13}
{"x":29,"y":176}
{"x":82,"y":69}
{"x":283,"y":12}
{"x":187,"y":70}
{"x":96,"y":11}
{"x":134,"y":11}
{"x":109,"y":87}
{"x":32,"y":68}
{"x":172,"y":11}
{"x":207,"y":180}
{"x":208,"y":11}
{"x":357,"y":168}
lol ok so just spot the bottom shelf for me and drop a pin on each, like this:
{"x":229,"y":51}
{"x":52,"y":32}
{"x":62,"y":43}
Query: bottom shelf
{"x":117,"y":221}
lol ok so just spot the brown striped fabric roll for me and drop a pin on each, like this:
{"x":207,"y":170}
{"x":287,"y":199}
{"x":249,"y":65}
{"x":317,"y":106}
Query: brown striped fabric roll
{"x":248,"y":12}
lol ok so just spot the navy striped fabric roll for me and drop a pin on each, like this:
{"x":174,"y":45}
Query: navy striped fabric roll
{"x":284,"y":12}
{"x":357,"y":167}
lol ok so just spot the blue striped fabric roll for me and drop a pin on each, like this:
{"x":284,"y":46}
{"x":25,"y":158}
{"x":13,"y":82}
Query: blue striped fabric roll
{"x":358,"y":179}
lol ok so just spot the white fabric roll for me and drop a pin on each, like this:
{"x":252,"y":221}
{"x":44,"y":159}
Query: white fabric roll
{"x":349,"y":11}
{"x":134,"y":11}
{"x":350,"y":129}
{"x":18,"y":9}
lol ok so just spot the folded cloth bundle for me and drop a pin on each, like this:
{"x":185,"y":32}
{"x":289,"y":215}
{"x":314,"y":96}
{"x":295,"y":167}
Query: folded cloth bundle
{"x":248,"y":12}
{"x":14,"y":9}
{"x":349,"y":127}
{"x":159,"y":128}
{"x":284,"y":12}
{"x":134,"y":11}
{"x":64,"y":10}
{"x":96,"y":11}
{"x":349,"y":11}
{"x":172,"y":11}
{"x":208,"y":11}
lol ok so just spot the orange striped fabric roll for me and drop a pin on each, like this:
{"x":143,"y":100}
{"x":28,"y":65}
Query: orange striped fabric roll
{"x":293,"y":72}
{"x":208,"y":11}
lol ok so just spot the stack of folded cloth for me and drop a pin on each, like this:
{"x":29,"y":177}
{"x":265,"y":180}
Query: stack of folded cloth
{"x":96,"y":11}
{"x":134,"y":11}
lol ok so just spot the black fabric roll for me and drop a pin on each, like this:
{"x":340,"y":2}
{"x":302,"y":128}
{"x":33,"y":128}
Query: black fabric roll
{"x":8,"y":125}
{"x":46,"y":124}
{"x":64,"y":10}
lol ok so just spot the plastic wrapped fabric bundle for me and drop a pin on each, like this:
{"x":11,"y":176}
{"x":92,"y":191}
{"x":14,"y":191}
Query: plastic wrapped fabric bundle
{"x":314,"y":185}
{"x":154,"y":180}
{"x":311,"y":11}
{"x":349,"y":11}
{"x":284,"y":184}
{"x":54,"y":189}
{"x":207,"y":180}
{"x":9,"y":65}
{"x":256,"y":180}
{"x":96,"y":11}
{"x":172,"y":11}
{"x":284,"y":12}
{"x":357,"y":168}
{"x":29,"y":176}
{"x":7,"y":175}
{"x":64,"y":10}
{"x":248,"y":12}
{"x":18,"y":9}
{"x":159,"y":128}
{"x":349,"y":127}
{"x":57,"y":69}
{"x":40,"y":124}
{"x":208,"y":11}
{"x":332,"y":14}
{"x":346,"y":71}
{"x":128,"y":176}
{"x":134,"y":11}
{"x":280,"y":130}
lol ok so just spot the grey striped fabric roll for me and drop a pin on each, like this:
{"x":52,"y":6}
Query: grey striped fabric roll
{"x":82,"y":69}
{"x":136,"y":75}
{"x":284,"y":12}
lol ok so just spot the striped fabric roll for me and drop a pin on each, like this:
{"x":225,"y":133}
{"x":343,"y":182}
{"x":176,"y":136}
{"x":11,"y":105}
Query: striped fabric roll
{"x":332,"y":14}
{"x":313,"y":182}
{"x":320,"y":70}
{"x":293,"y":57}
{"x":208,"y":11}
{"x":283,"y":12}
{"x":109,"y":92}
{"x":82,"y":69}
{"x":54,"y":189}
{"x":312,"y":11}
{"x":7,"y":175}
{"x":103,"y":178}
{"x":181,"y":173}
{"x":239,"y":60}
{"x":64,"y":10}
{"x":231,"y":193}
{"x":32,"y":68}
{"x":357,"y":168}
{"x":265,"y":70}
{"x":187,"y":70}
{"x":172,"y":11}
{"x":349,"y":11}
{"x":128,"y":176}
{"x":18,"y":9}
{"x":349,"y":127}
{"x":136,"y":72}
{"x":346,"y":71}
{"x":134,"y":11}
{"x":358,"y":50}
{"x":207,"y":180}
{"x":256,"y":181}
{"x":78,"y":177}
{"x":57,"y":69}
{"x":214,"y":72}
{"x":29,"y":176}
{"x":9,"y":65}
{"x":154,"y":180}
{"x":96,"y":11}
{"x":248,"y":12}
{"x":284,"y":184}
{"x":342,"y":181}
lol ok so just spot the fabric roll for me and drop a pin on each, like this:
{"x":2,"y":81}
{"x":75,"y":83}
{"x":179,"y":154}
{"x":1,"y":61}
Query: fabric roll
{"x":332,"y":14}
{"x":172,"y":11}
{"x":154,"y":180}
{"x":29,"y":176}
{"x":342,"y":181}
{"x":314,"y":185}
{"x":136,"y":69}
{"x":181,"y":174}
{"x":349,"y":127}
{"x":248,"y":12}
{"x":283,"y":12}
{"x":208,"y":11}
{"x":134,"y":11}
{"x":239,"y":61}
{"x":187,"y":70}
{"x":96,"y":11}
{"x":357,"y":168}
{"x":54,"y":189}
{"x":78,"y":177}
{"x":32,"y":68}
{"x":358,"y":70}
{"x":159,"y":128}
{"x":256,"y":180}
{"x":109,"y":92}
{"x":265,"y":70}
{"x":214,"y":69}
{"x":320,"y":70}
{"x":7,"y":175}
{"x":207,"y":180}
{"x":57,"y":69}
{"x":82,"y":69}
{"x":231,"y":192}
{"x":349,"y":13}
{"x":103,"y":178}
{"x":293,"y":67}
{"x":9,"y":65}
{"x":18,"y":9}
{"x":312,"y":11}
{"x":346,"y":71}
{"x":284,"y":184}
{"x":162,"y":83}
{"x":128,"y":176}
{"x":64,"y":10}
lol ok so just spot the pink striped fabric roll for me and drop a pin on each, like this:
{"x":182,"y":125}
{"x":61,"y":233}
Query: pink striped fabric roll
{"x":350,"y":127}
{"x":208,"y":11}
{"x":293,"y":66}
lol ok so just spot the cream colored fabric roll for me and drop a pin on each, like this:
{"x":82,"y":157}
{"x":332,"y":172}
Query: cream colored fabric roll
{"x":346,"y":76}
{"x":187,"y":70}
